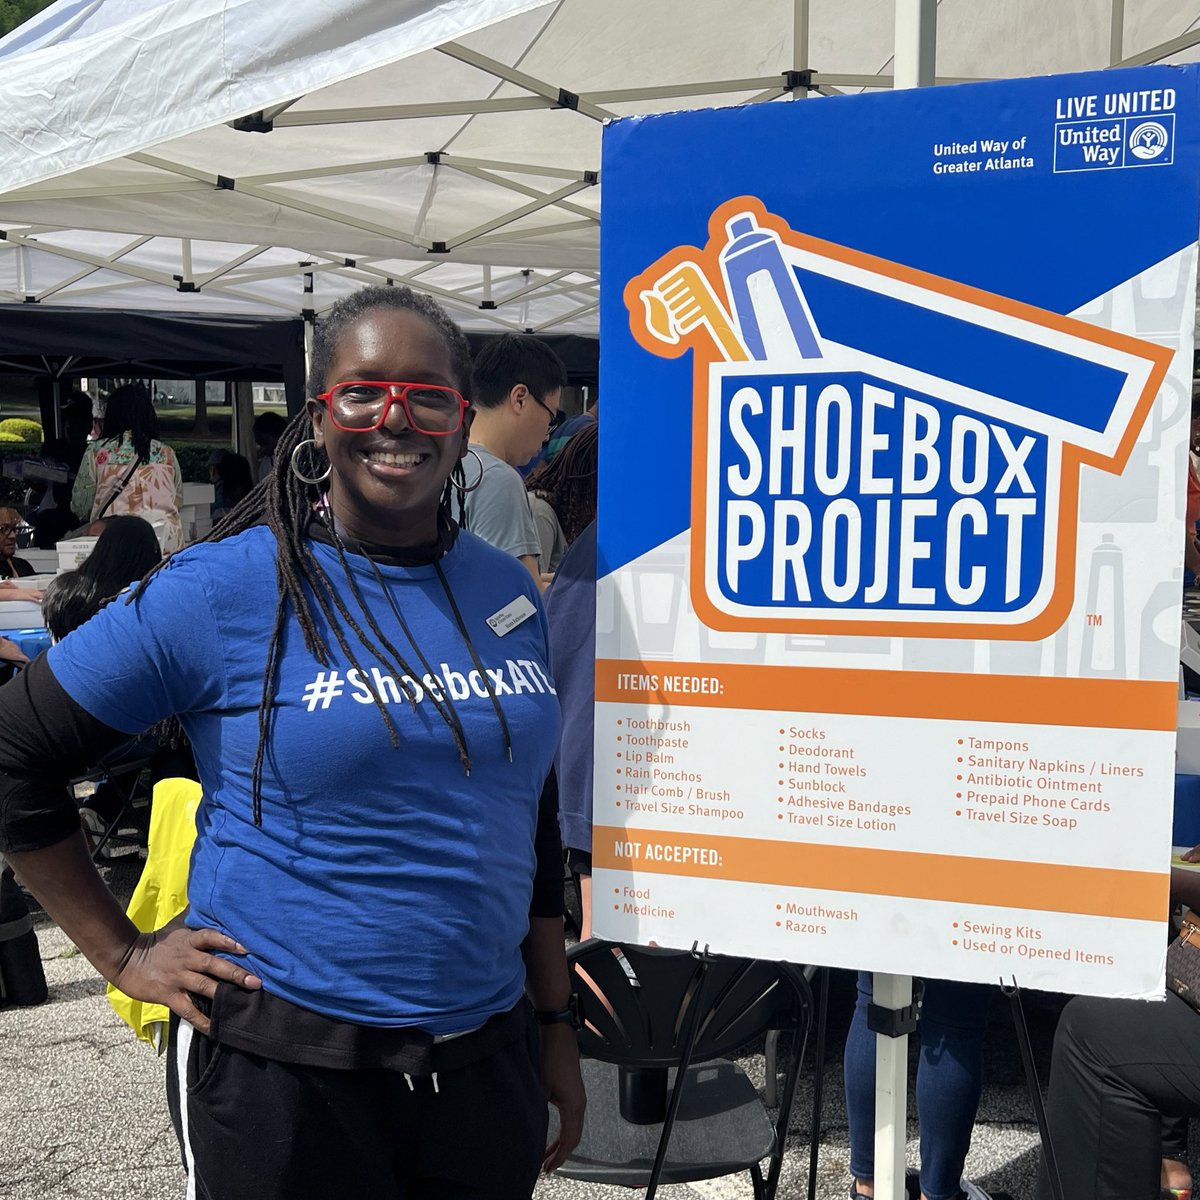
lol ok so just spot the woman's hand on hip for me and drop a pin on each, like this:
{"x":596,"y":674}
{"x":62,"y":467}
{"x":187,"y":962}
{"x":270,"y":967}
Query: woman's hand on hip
{"x":175,"y":964}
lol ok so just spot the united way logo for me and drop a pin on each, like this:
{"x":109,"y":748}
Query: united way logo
{"x":1148,"y":140}
{"x":877,"y":449}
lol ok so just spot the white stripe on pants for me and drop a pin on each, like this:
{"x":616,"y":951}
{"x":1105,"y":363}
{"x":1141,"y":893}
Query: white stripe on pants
{"x":183,"y":1045}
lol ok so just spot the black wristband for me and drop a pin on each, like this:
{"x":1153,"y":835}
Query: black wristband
{"x":561,"y":1016}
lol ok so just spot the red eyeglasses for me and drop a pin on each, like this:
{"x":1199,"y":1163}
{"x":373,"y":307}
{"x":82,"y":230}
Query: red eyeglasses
{"x":359,"y":405}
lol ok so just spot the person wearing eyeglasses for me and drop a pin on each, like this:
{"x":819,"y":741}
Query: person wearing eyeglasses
{"x":11,"y":566}
{"x":370,"y":984}
{"x":518,"y":382}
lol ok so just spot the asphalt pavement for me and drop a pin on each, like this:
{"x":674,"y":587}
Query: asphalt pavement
{"x":83,"y":1111}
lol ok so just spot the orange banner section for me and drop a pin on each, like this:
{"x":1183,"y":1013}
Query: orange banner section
{"x":1046,"y":887}
{"x":1015,"y":699}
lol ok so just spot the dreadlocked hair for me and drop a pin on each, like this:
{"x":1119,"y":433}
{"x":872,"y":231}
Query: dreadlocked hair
{"x":568,"y":482}
{"x":286,"y":504}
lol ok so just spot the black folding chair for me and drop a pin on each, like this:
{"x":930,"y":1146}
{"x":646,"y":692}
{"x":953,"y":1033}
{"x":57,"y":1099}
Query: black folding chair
{"x":660,"y":1025}
{"x":129,"y":782}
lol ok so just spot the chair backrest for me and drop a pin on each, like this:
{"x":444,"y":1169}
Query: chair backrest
{"x":637,"y":1002}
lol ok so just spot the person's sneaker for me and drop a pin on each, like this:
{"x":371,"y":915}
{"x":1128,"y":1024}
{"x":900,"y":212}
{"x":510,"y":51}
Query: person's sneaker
{"x":912,"y":1186}
{"x":91,"y":820}
{"x":93,"y":829}
{"x":972,"y":1191}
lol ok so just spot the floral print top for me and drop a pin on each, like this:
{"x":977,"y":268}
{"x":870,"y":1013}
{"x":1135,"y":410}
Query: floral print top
{"x":155,"y":490}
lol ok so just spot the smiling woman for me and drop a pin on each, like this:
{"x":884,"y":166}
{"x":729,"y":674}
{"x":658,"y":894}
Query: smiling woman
{"x":422,"y":837}
{"x":391,"y":446}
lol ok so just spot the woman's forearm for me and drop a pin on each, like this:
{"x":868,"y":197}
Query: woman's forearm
{"x":546,"y":977}
{"x":68,"y":886}
{"x":1185,"y":887}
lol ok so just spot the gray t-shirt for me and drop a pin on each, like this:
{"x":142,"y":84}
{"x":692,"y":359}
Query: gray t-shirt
{"x":550,"y":534}
{"x":498,"y":509}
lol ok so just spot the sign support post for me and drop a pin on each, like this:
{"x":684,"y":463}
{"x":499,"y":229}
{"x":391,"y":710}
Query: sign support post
{"x":914,"y":65}
{"x":894,"y":993}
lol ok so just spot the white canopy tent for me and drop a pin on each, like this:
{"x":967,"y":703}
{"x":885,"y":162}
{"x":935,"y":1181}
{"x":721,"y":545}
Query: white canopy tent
{"x":250,"y":156}
{"x":236,"y":156}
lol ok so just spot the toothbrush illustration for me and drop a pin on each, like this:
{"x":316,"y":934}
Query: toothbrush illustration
{"x":682,"y":301}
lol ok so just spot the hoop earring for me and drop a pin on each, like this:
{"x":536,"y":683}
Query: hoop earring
{"x":304,"y":478}
{"x":462,"y":489}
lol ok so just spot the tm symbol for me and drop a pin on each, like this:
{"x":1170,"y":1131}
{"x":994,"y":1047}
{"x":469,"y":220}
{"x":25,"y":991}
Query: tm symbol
{"x":1095,"y":618}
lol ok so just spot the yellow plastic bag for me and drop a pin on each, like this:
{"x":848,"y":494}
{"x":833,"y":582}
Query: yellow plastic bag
{"x":161,"y":893}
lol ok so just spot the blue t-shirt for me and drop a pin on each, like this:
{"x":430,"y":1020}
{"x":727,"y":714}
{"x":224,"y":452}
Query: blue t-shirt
{"x":384,"y":886}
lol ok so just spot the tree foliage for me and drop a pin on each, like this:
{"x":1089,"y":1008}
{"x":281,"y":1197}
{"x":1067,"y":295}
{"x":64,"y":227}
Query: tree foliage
{"x":16,"y":12}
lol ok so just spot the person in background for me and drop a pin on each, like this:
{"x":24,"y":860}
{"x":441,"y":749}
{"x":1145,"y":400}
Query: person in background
{"x":518,"y":381}
{"x":126,"y":550}
{"x":1191,"y":548}
{"x":268,"y":429}
{"x":76,"y":426}
{"x":560,"y":436}
{"x":1124,"y":1076}
{"x":232,"y":483}
{"x":129,"y":471}
{"x":12,"y":566}
{"x":214,"y":477}
{"x":54,"y":518}
{"x":370,"y":981}
{"x":571,"y":617}
{"x":951,"y":1029}
{"x":12,"y":658}
{"x":562,"y":496}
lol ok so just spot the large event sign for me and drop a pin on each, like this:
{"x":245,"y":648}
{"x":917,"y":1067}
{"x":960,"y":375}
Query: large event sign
{"x":897,"y":394}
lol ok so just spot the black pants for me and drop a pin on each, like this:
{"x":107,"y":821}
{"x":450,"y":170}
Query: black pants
{"x":256,"y":1129}
{"x":1119,"y":1067}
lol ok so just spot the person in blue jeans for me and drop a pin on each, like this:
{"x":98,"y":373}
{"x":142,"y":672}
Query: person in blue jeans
{"x":953,"y":1020}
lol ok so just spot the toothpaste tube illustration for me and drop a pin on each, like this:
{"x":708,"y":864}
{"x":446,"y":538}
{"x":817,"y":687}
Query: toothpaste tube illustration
{"x":771,"y":314}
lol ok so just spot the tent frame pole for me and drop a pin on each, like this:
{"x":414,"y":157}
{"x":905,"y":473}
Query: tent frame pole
{"x":1185,"y":41}
{"x":916,"y":43}
{"x":800,"y":29}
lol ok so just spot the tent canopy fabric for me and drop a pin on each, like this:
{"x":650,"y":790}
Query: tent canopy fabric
{"x":33,"y":341}
{"x":205,"y":155}
{"x":151,"y":345}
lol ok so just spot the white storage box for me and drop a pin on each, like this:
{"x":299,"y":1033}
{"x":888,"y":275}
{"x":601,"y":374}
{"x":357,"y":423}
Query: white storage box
{"x":72,"y":552}
{"x":190,"y":516}
{"x":198,"y":494}
{"x":44,"y":562}
{"x":20,"y":614}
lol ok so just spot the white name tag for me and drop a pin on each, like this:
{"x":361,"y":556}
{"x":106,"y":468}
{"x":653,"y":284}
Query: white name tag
{"x":512,"y":615}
